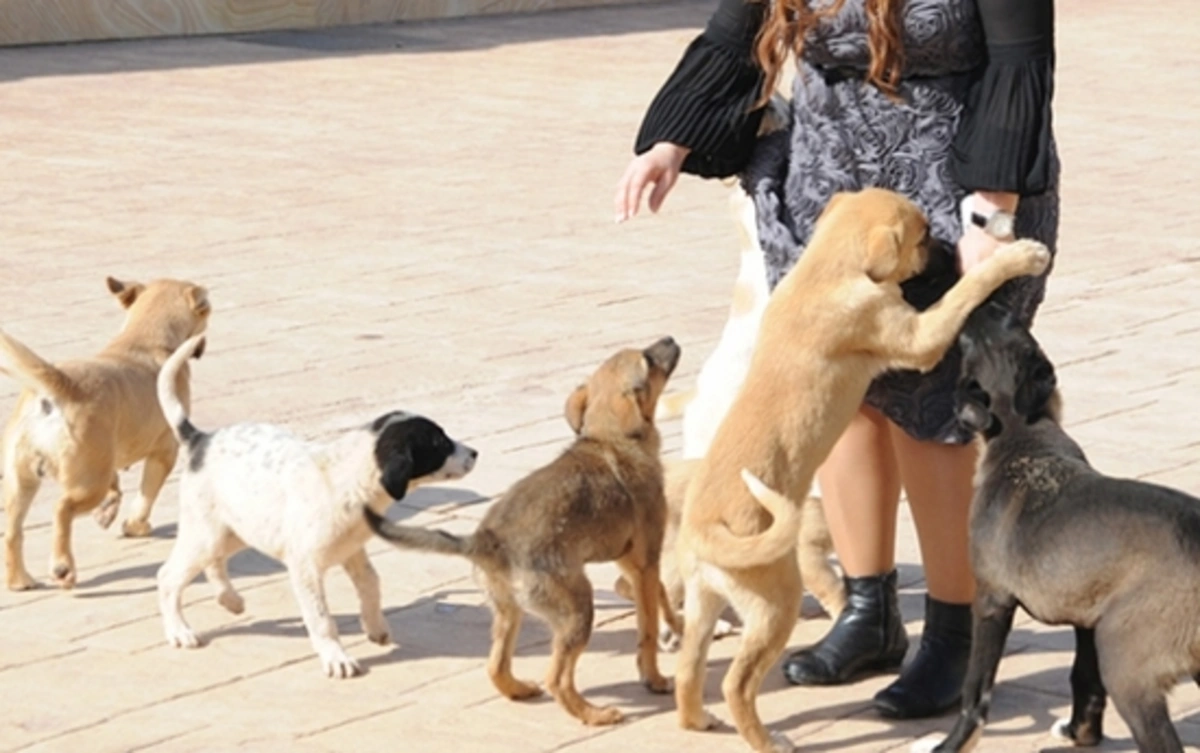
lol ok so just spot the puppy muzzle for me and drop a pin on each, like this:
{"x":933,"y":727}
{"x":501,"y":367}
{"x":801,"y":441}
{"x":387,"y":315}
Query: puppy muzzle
{"x":664,"y":354}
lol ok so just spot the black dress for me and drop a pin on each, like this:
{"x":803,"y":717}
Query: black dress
{"x":974,"y":113}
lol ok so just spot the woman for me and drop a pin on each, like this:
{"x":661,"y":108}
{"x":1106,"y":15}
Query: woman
{"x":947,"y":102}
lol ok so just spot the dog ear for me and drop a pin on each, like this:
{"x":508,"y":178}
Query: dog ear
{"x":198,"y":297}
{"x":1036,"y":385}
{"x":395,"y":475}
{"x":576,"y":405}
{"x":883,"y":253}
{"x":199,"y":350}
{"x":126,"y":292}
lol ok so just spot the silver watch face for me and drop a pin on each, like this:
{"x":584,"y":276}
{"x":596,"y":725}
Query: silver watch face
{"x":1000,"y":225}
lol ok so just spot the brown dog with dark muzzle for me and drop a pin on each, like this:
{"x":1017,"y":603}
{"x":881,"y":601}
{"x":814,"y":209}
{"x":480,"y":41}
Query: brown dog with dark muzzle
{"x":600,"y":501}
{"x":1119,"y":559}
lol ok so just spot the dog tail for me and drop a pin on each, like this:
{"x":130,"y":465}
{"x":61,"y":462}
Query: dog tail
{"x":726,"y":549}
{"x":168,"y":400}
{"x":35,"y":372}
{"x":415,"y":537}
{"x":672,"y":405}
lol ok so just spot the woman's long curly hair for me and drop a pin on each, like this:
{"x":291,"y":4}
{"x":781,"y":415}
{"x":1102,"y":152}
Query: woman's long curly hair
{"x":787,"y":23}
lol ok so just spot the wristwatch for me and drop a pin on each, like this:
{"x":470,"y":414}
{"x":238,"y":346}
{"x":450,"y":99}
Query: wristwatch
{"x":998,"y":224}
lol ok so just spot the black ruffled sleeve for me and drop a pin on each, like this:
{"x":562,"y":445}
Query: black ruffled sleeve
{"x":1003,"y":140}
{"x":706,"y":103}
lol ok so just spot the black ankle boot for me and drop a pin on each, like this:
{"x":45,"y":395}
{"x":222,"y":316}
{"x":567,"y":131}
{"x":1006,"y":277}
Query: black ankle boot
{"x":932,"y":682}
{"x":867,"y":637}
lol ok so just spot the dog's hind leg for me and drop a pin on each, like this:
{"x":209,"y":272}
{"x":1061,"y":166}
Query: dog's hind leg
{"x":1139,"y":695}
{"x":226,"y":595}
{"x":702,"y":607}
{"x":816,"y":572}
{"x":647,"y":589}
{"x":154,"y":474}
{"x":1088,"y":697}
{"x":993,"y":618}
{"x":309,"y":586}
{"x":366,"y":584}
{"x":565,"y":601}
{"x":768,"y":618}
{"x":75,"y":502}
{"x":20,"y":487}
{"x":506,"y":625}
{"x":190,"y":555}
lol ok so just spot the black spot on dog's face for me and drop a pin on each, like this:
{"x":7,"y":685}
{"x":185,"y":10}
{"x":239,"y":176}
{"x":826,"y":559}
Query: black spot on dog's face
{"x":409,"y":448}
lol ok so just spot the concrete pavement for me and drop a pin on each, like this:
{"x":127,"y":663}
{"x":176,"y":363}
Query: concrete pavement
{"x":419,"y":216}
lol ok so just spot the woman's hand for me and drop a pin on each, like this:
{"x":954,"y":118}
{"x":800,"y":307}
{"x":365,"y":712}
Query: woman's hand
{"x":659,"y":166}
{"x":974,"y":246}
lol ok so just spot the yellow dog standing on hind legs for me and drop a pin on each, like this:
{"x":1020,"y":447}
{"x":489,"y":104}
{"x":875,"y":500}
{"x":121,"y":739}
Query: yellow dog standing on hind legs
{"x":835,"y":322}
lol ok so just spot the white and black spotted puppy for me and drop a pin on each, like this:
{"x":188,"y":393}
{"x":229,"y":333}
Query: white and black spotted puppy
{"x":260,"y":486}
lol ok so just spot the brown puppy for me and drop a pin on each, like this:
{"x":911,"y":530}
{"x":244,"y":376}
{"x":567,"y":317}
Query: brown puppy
{"x":835,"y":322}
{"x":813,"y":548}
{"x":84,"y":420}
{"x":600,"y":501}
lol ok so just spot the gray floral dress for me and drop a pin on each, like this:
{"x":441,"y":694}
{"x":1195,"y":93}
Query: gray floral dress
{"x":973,"y":114}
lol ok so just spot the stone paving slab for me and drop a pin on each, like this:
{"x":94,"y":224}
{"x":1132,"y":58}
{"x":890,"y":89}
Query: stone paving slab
{"x":418,"y":216}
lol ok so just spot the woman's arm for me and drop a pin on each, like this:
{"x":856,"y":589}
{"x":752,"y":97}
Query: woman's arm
{"x":703,"y":120}
{"x":707,"y":103}
{"x":1002,"y":149}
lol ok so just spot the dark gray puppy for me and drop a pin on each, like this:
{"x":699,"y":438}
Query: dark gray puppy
{"x":1116,"y":558}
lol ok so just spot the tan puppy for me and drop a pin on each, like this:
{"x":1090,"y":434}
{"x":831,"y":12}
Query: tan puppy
{"x":835,"y":322}
{"x":704,"y":406}
{"x":84,"y":420}
{"x":600,"y":501}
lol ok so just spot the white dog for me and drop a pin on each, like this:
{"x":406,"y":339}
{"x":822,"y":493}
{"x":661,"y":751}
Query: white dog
{"x":260,"y":486}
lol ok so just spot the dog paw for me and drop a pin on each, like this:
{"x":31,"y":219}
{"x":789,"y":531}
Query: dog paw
{"x":600,"y":716}
{"x":382,"y":637}
{"x":1083,"y":735}
{"x":927,"y":744}
{"x":519,"y":690}
{"x":182,"y":637}
{"x":1029,"y":256}
{"x":780,"y":744}
{"x":377,"y":629}
{"x":136,"y":529}
{"x":702,"y":722}
{"x":723,"y":628}
{"x":64,"y":575}
{"x":106,"y":513}
{"x":659,"y":684}
{"x":232,"y":601}
{"x":668,"y":640}
{"x":340,"y":666}
{"x":21,"y":581}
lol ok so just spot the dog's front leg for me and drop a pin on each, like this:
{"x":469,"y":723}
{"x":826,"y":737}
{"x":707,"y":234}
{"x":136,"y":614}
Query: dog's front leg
{"x":1088,"y":697}
{"x":920,"y":340}
{"x":309,"y":586}
{"x":366,"y":583}
{"x":646,"y":587}
{"x":993,"y":618}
